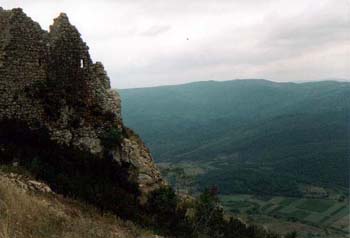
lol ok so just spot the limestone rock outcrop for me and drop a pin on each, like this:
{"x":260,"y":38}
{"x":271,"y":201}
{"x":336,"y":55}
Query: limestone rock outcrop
{"x":49,"y":84}
{"x":24,"y":183}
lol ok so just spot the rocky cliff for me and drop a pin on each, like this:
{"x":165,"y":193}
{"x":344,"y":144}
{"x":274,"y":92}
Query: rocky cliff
{"x":60,"y":118}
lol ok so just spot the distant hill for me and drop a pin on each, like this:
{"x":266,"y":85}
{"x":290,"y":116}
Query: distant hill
{"x":253,"y":136}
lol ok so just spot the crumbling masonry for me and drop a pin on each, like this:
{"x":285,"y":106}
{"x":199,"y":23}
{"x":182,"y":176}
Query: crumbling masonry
{"x":48,"y":80}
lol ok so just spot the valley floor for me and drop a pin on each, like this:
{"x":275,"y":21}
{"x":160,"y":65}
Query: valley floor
{"x":310,"y":217}
{"x":317,"y":212}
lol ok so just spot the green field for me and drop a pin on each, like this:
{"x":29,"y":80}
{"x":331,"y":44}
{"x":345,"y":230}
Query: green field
{"x":285,"y":202}
{"x":311,"y":217}
{"x":316,"y":205}
{"x":298,"y":214}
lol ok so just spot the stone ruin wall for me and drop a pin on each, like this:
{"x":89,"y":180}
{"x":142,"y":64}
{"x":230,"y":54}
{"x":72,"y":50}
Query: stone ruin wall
{"x":79,"y":96}
{"x":30,"y":57}
{"x":23,"y":59}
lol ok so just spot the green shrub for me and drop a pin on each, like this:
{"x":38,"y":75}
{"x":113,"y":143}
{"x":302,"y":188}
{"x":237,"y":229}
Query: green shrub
{"x":166,"y":213}
{"x":111,"y":138}
{"x":209,"y":220}
{"x":292,"y":234}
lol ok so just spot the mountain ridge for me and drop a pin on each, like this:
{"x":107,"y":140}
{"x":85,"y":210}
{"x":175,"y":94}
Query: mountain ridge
{"x":207,"y":120}
{"x":337,"y":80}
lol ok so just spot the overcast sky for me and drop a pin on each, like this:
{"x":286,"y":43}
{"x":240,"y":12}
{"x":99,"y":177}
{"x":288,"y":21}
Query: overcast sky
{"x":158,"y":42}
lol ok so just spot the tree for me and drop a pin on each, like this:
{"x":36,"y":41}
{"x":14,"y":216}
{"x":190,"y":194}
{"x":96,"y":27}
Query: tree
{"x":208,"y":217}
{"x":292,"y":234}
{"x":163,"y":207}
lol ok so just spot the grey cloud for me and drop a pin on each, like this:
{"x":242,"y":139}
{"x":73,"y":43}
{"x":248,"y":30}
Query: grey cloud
{"x":286,"y":40}
{"x":156,"y":30}
{"x":304,"y":33}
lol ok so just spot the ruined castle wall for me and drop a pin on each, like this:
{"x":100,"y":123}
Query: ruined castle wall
{"x":23,"y":61}
{"x":69,"y":56}
{"x":82,"y":87}
{"x":48,"y":78}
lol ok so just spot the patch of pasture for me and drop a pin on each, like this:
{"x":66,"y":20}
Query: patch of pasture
{"x":314,"y":218}
{"x":316,"y":205}
{"x":305,"y":214}
{"x":287,"y":201}
{"x":335,"y":217}
{"x":342,"y":224}
{"x":298,"y":214}
{"x":235,"y":198}
{"x":332,"y":212}
{"x":266,"y":207}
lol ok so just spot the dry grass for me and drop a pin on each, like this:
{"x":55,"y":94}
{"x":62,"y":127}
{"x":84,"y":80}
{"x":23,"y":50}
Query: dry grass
{"x":24,"y":214}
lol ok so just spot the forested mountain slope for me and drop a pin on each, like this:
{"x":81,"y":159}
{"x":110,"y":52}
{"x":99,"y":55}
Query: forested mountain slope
{"x":257,"y":136}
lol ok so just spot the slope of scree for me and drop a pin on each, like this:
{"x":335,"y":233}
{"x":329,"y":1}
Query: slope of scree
{"x":60,"y":119}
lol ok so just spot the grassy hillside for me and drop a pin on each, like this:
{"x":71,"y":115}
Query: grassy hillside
{"x":30,"y":209}
{"x":27,"y":213}
{"x":250,"y":136}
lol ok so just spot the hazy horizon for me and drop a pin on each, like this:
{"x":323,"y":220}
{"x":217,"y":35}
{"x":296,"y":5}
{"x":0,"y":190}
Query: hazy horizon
{"x":170,"y":43}
{"x":339,"y":80}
